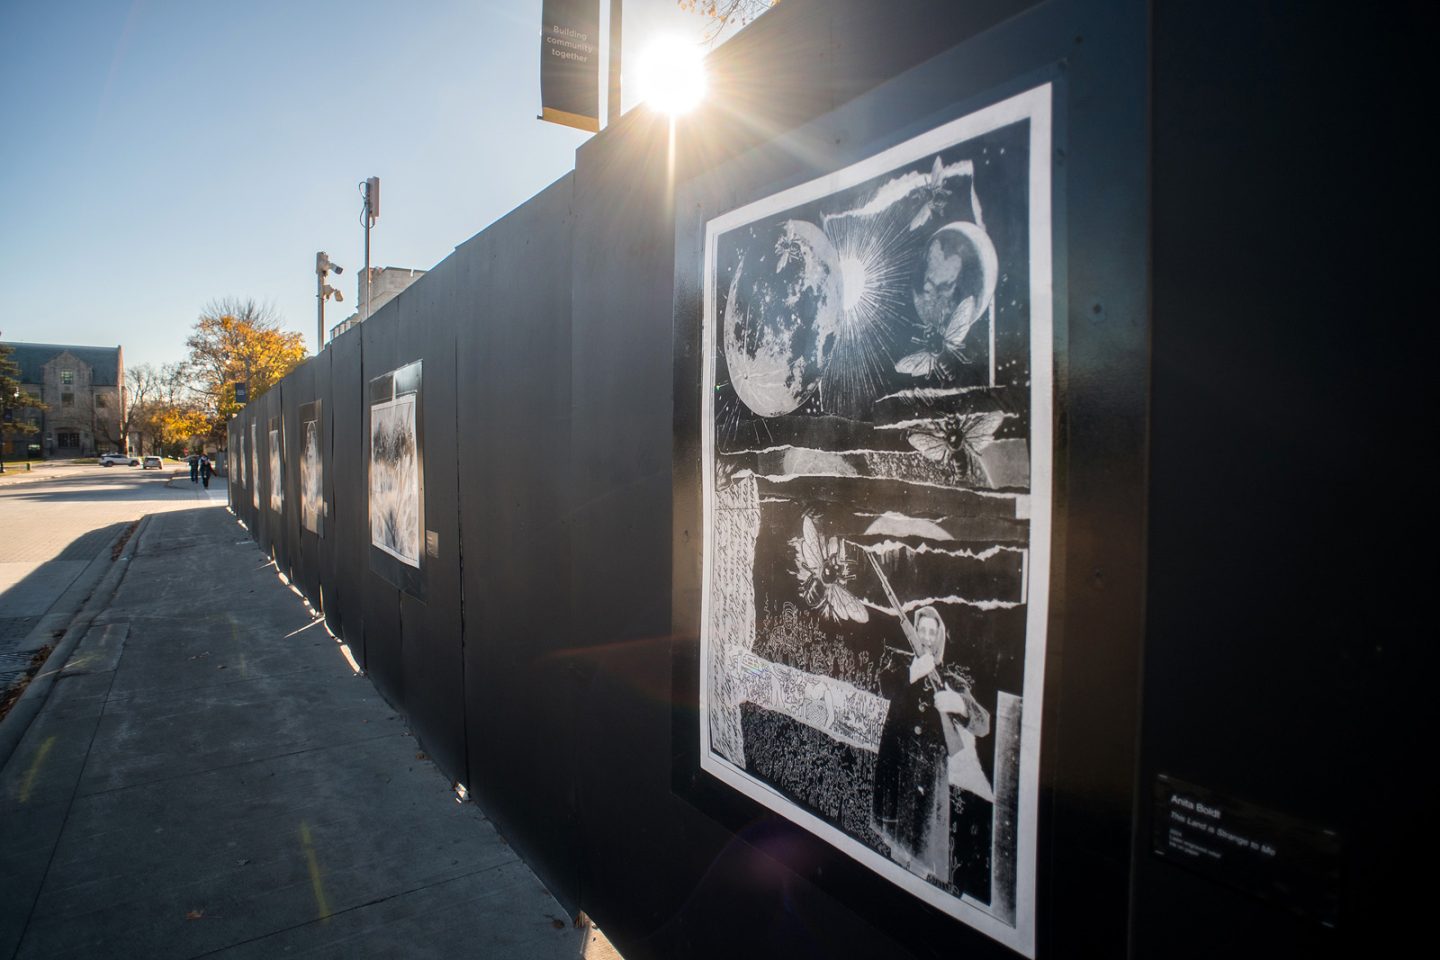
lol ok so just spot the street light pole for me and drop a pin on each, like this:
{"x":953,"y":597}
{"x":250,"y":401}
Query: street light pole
{"x":617,"y":18}
{"x":323,"y":292}
{"x":319,"y":305}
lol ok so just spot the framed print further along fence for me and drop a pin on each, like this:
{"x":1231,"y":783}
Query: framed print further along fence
{"x":876,"y":459}
{"x":396,"y":478}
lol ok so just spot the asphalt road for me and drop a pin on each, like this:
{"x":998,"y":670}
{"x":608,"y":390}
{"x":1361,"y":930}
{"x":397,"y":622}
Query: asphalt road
{"x":54,"y":520}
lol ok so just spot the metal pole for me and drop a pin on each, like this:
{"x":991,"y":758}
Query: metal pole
{"x":367,"y":259}
{"x":319,"y":312}
{"x":617,"y":14}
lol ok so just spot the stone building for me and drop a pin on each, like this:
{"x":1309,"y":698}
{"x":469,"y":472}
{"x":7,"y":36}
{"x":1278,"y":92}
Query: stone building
{"x":83,"y":389}
{"x":386,"y":283}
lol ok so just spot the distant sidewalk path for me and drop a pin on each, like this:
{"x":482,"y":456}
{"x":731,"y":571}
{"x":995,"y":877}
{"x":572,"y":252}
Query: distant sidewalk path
{"x":53,"y":525}
{"x":208,"y":777}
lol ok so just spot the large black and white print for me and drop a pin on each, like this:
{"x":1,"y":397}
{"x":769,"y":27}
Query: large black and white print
{"x":312,"y":497}
{"x":277,"y":467}
{"x":395,"y":464}
{"x":877,"y":448}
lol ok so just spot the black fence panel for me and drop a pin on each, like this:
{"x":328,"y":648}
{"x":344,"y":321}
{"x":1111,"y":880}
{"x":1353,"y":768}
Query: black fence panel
{"x":301,"y":408}
{"x":517,"y":489}
{"x":243,"y":472}
{"x":300,"y":388}
{"x":321,"y":559}
{"x":619,"y":583}
{"x":380,"y":596}
{"x":270,"y":521}
{"x":1090,"y":780}
{"x":345,"y":459}
{"x":1265,"y":577}
{"x":430,"y":625}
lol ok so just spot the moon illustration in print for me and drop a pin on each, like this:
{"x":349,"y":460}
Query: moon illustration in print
{"x":782,"y":316}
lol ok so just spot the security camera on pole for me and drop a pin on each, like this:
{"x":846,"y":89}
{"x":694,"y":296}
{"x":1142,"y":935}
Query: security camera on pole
{"x":323,"y":292}
{"x":369,"y":213}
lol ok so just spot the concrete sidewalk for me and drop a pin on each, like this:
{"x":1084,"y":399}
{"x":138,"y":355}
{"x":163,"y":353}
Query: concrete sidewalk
{"x":208,"y":777}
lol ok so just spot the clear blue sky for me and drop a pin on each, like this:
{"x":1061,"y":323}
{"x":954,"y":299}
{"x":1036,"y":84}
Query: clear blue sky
{"x":158,"y":154}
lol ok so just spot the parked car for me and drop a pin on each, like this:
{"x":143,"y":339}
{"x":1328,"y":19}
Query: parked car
{"x":111,"y":459}
{"x":151,"y":462}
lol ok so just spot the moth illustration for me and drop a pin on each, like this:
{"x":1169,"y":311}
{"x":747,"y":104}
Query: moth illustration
{"x":935,"y":195}
{"x":823,"y":569}
{"x":954,"y":286}
{"x":959,"y":436}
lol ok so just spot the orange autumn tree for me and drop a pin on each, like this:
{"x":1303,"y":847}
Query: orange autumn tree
{"x":178,"y":426}
{"x":723,"y":13}
{"x":238,"y":341}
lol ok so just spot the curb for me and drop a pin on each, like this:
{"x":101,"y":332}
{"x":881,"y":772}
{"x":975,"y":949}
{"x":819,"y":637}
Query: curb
{"x":63,"y":610}
{"x":12,"y":476}
{"x":17,"y":721}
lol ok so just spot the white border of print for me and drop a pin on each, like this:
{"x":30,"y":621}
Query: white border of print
{"x":1034,"y":105}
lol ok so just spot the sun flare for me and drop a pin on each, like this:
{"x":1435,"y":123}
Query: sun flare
{"x":671,"y":75}
{"x":854,"y":281}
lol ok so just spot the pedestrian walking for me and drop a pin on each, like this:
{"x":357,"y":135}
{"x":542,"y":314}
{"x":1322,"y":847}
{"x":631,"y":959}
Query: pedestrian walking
{"x":194,"y":468}
{"x":205,"y":471}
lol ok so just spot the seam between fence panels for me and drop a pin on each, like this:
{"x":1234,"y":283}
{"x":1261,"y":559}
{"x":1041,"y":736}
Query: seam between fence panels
{"x":460,"y":569}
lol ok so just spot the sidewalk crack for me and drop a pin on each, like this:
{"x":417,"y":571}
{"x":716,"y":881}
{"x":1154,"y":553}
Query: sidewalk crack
{"x":358,"y":906}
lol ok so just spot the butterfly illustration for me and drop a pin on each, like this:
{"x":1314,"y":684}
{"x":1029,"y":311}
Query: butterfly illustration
{"x":938,"y":343}
{"x":934,"y":193}
{"x":959,"y":436}
{"x":954,"y":286}
{"x":823,"y":570}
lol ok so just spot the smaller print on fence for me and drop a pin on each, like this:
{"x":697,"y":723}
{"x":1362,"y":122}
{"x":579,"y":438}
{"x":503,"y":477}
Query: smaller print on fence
{"x":277,"y":465}
{"x":312,"y":491}
{"x":395,"y":464}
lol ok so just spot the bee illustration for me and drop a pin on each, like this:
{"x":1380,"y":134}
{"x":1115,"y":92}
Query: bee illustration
{"x":935,"y":196}
{"x":954,"y":286}
{"x":959,"y":436}
{"x":789,"y":245}
{"x":823,"y":569}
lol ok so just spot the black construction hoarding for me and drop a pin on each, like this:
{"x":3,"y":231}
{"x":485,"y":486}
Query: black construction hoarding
{"x":569,"y":63}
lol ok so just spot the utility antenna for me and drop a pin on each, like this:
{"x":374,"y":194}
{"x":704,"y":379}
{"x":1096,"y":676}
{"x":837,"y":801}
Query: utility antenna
{"x":369,"y":213}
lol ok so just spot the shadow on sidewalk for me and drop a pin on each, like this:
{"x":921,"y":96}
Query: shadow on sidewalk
{"x":209,"y":776}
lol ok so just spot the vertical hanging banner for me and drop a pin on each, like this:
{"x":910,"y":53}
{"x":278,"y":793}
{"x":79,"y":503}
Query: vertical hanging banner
{"x":570,"y":63}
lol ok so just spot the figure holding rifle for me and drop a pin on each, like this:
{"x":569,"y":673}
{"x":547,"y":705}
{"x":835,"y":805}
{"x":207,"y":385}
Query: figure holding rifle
{"x":932,"y":716}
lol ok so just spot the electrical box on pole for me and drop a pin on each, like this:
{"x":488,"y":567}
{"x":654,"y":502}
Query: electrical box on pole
{"x":372,"y":198}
